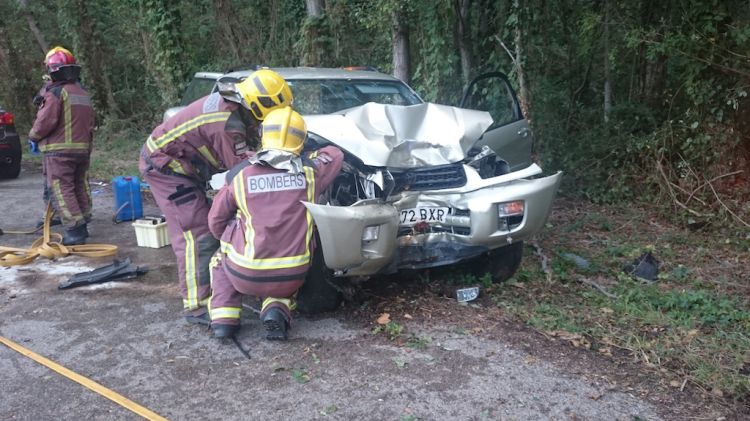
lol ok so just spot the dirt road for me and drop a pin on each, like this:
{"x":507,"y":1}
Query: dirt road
{"x":130,"y":337}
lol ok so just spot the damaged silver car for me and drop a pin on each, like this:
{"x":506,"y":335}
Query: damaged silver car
{"x":423,"y":185}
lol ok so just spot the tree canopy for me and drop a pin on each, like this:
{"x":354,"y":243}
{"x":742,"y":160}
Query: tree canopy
{"x":627,"y":97}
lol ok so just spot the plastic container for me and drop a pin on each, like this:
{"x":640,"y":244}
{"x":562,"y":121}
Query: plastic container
{"x":151,"y":232}
{"x":128,"y":204}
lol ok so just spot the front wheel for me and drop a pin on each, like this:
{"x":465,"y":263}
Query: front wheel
{"x":318,"y":294}
{"x":502,"y":263}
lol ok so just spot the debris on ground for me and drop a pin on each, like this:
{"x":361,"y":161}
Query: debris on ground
{"x":118,"y":270}
{"x":645,"y":267}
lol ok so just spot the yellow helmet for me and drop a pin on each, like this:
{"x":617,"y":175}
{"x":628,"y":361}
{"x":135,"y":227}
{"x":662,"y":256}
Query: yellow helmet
{"x":283,"y":129}
{"x":264,"y":91}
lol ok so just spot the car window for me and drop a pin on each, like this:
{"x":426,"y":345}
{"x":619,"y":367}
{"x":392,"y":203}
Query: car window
{"x":324,"y":96}
{"x":198,"y":88}
{"x":494,"y":96}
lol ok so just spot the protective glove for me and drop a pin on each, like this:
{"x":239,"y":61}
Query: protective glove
{"x":33,"y":148}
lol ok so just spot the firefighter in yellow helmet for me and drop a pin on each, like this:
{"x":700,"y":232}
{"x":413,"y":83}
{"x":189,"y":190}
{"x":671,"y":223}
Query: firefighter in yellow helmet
{"x":209,"y":136}
{"x":266,"y":232}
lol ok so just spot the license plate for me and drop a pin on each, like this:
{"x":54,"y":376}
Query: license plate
{"x":429,"y":214}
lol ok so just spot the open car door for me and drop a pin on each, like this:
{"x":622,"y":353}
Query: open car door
{"x":509,"y":135}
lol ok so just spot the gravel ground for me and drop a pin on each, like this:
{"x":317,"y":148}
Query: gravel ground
{"x":130,"y":337}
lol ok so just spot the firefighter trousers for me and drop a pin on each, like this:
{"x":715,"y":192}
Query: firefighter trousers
{"x":67,"y":186}
{"x":184,"y":203}
{"x":229,"y":285}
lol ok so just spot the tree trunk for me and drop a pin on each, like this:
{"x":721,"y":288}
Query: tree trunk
{"x":651,"y":80}
{"x":401,"y":52}
{"x":524,"y":95}
{"x":90,"y":50}
{"x":607,"y":76}
{"x":315,"y":35}
{"x":462,"y":15}
{"x":33,"y":27}
{"x":224,"y":20}
{"x":315,"y":8}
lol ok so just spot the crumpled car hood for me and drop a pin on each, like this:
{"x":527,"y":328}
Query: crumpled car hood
{"x":403,"y":136}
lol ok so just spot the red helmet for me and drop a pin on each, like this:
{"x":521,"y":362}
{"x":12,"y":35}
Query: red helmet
{"x":57,"y":57}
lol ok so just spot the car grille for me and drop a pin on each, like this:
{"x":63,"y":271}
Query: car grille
{"x":429,"y":178}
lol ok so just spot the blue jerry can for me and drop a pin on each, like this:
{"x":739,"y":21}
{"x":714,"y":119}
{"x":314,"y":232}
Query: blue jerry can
{"x":128,"y":204}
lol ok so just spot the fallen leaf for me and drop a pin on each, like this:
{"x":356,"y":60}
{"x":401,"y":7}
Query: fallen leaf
{"x":606,"y":351}
{"x":384,"y":319}
{"x":407,"y":316}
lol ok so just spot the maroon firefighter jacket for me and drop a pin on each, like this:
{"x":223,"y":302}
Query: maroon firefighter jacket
{"x":205,"y":138}
{"x":65,"y":119}
{"x":265,"y":231}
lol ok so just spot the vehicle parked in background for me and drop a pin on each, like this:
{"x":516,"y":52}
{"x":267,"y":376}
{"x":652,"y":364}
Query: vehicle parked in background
{"x":10,"y":146}
{"x":423,"y":185}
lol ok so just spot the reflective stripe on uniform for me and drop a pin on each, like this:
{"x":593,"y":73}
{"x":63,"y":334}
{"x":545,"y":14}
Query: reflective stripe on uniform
{"x":290,"y":303}
{"x":201,"y":303}
{"x":175,"y":166}
{"x":225,"y":313}
{"x":68,"y":117}
{"x":59,"y":146}
{"x":209,"y":156}
{"x":62,"y":207}
{"x":248,"y":259}
{"x":169,"y":136}
{"x":191,"y":282}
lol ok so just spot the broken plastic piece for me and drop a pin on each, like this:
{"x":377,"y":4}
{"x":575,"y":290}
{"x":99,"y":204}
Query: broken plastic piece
{"x":118,"y":270}
{"x":467,"y":294}
{"x":645,"y":267}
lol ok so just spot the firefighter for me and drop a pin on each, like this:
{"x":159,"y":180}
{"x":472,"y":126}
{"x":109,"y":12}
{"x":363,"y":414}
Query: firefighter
{"x":207,"y":137}
{"x":266,"y":232}
{"x":63,"y":131}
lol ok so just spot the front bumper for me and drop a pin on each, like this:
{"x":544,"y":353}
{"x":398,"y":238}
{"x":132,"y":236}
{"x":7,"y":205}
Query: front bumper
{"x":472,"y":227}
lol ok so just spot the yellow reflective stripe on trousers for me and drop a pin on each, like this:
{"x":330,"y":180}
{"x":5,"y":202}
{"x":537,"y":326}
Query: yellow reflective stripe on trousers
{"x":290,"y":303}
{"x":248,"y":259}
{"x":60,"y":201}
{"x":191,"y":283}
{"x":201,"y":303}
{"x":87,"y":189}
{"x":58,"y":146}
{"x":225,"y":313}
{"x":68,"y":117}
{"x":191,"y":124}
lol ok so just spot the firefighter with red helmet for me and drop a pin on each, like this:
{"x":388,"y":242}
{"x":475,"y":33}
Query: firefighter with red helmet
{"x":266,"y":232}
{"x":209,"y":136}
{"x":64,"y":131}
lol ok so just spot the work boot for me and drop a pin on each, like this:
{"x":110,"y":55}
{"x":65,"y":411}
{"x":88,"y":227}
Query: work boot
{"x":75,"y":236}
{"x":199,"y":319}
{"x":222,"y":331}
{"x":276,"y":324}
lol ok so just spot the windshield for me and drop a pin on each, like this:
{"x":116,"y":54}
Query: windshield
{"x":325,"y":96}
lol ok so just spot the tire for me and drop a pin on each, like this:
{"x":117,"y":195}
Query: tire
{"x":11,"y":170}
{"x":318,"y":294}
{"x":503,"y":263}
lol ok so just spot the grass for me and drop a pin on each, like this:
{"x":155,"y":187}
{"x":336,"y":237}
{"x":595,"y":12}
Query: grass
{"x":693,"y":323}
{"x":117,"y":145}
